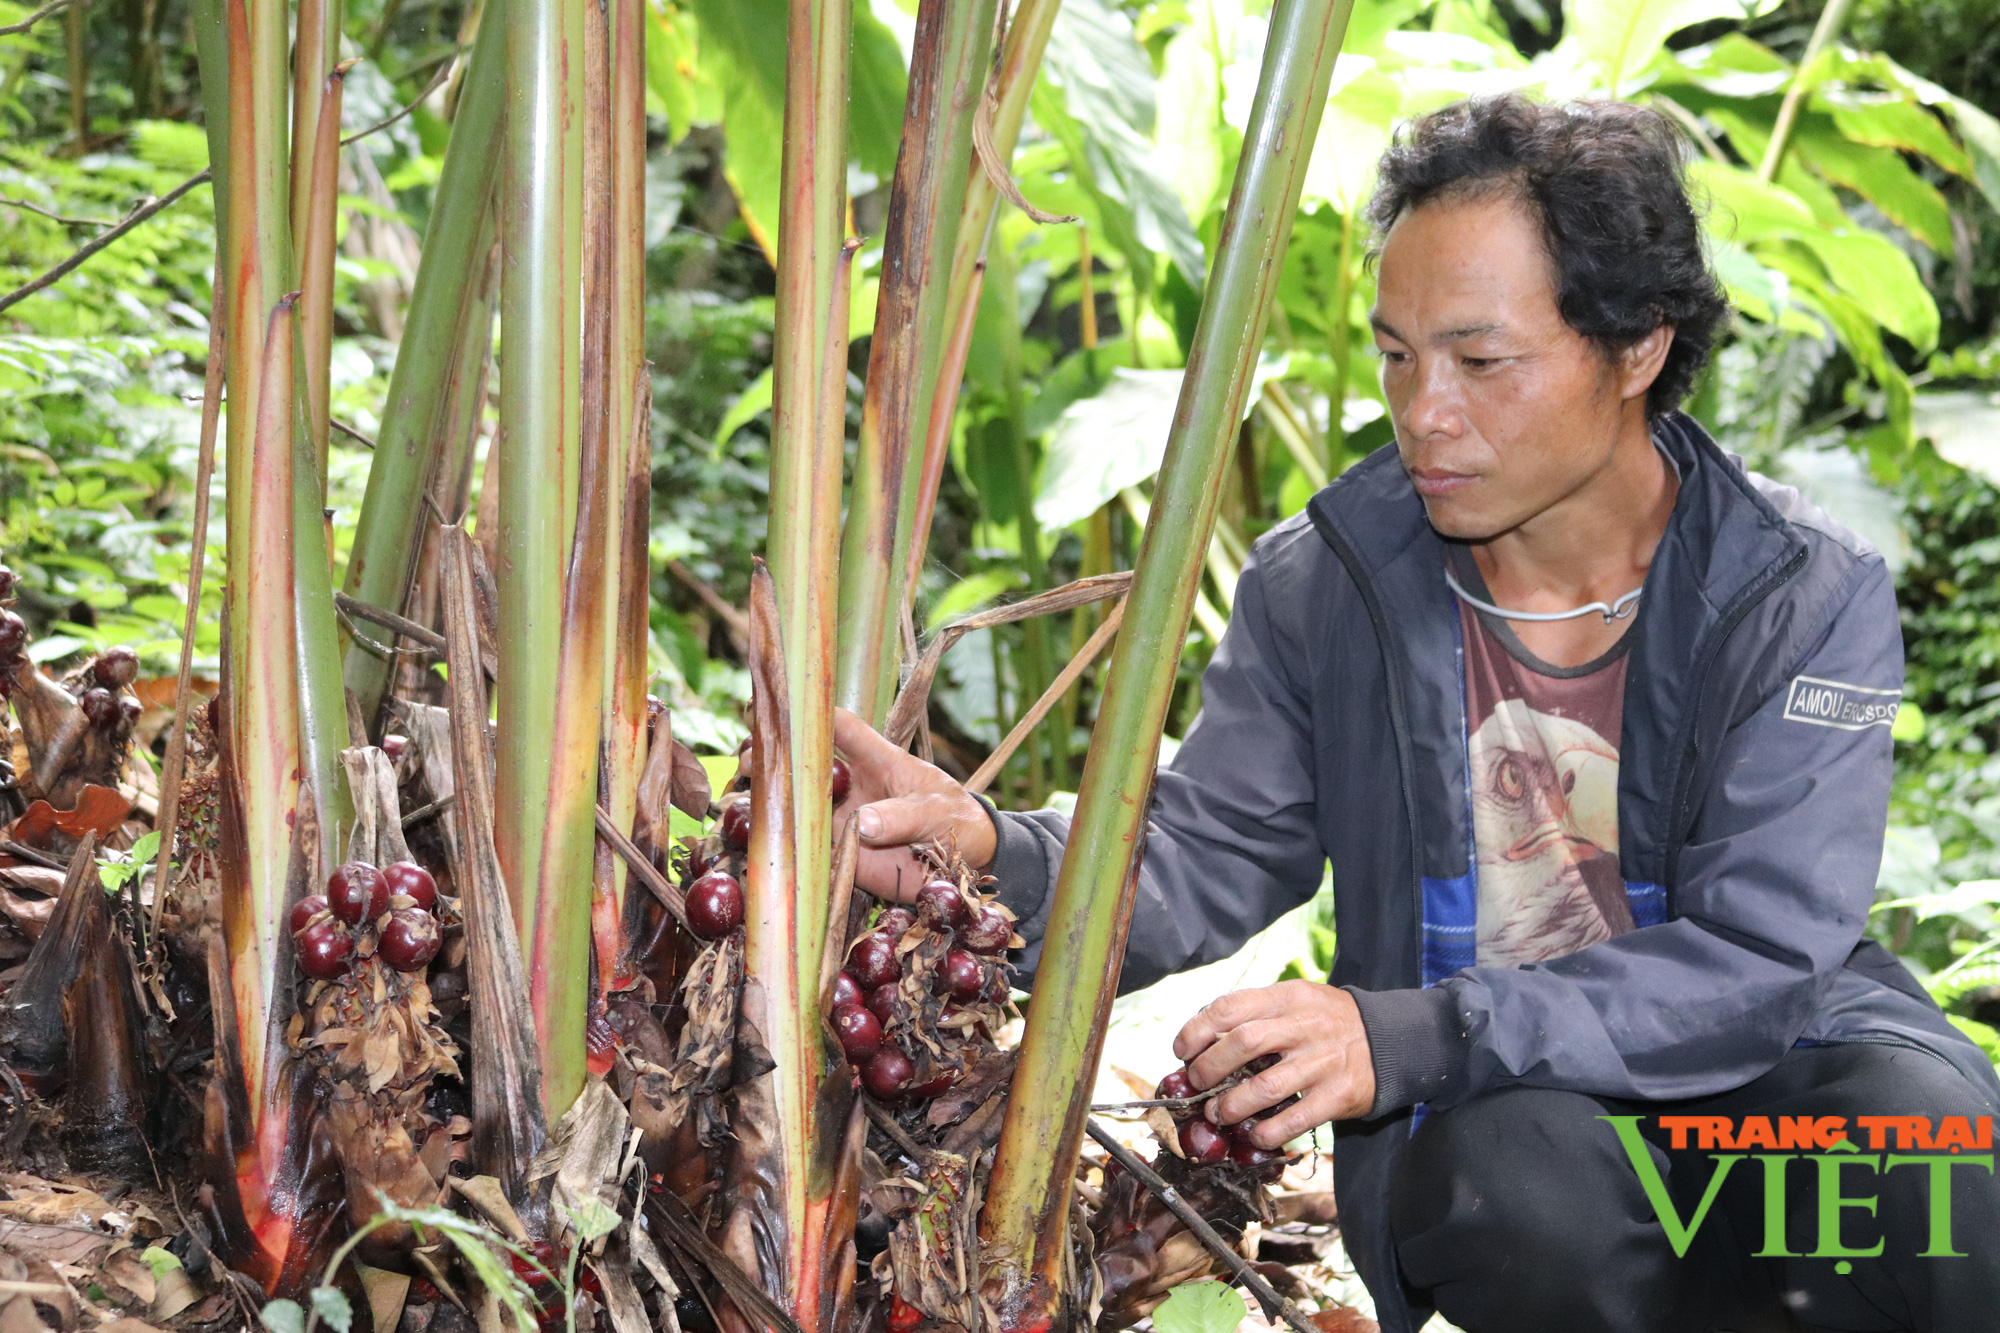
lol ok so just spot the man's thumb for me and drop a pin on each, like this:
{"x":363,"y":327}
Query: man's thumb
{"x":896,"y":822}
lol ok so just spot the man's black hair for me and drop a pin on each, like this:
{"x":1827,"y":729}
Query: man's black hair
{"x":1606,"y":180}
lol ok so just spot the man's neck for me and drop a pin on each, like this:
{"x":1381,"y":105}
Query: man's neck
{"x":1594,"y":545}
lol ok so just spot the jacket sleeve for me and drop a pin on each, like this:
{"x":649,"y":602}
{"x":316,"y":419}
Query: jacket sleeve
{"x":1775,"y":883}
{"x":1230,"y":845}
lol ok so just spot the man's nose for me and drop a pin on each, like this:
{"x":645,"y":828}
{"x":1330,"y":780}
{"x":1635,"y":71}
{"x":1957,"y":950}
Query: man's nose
{"x":1434,"y":407}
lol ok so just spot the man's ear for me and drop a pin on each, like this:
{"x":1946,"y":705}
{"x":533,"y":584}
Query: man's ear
{"x":1639,"y":365}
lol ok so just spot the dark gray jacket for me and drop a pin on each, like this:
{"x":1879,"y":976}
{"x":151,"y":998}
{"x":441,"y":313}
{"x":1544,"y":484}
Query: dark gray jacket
{"x":1753,"y":792}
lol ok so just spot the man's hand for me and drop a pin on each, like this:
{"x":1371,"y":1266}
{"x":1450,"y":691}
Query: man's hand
{"x":898,"y":801}
{"x":1315,"y":1031}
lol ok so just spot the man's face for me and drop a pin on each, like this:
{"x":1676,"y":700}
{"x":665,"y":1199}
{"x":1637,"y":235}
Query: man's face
{"x":1502,"y":411}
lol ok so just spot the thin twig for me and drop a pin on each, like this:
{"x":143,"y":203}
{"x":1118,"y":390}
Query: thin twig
{"x":1050,"y":697}
{"x":1275,"y":1306}
{"x":684,"y":1234}
{"x":444,"y":72}
{"x":403,"y":625}
{"x":642,"y":866}
{"x":423,"y":812}
{"x":54,"y":216}
{"x":885,"y":1122}
{"x":204,"y":476}
{"x":14,"y":29}
{"x":145,"y":210}
{"x":733,"y":617}
{"x":153,"y":207}
{"x":30,"y":855}
{"x":350,"y":432}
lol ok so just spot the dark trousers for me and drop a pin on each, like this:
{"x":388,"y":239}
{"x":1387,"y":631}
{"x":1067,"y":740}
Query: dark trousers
{"x":1520,"y":1210}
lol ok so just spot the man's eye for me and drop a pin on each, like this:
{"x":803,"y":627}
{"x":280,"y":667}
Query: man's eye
{"x":1481,"y":362}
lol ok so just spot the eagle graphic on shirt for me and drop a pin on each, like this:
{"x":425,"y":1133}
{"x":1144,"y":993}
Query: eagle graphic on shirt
{"x":1545,"y":827}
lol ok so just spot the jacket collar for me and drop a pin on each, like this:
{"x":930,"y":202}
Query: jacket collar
{"x":1724,"y":543}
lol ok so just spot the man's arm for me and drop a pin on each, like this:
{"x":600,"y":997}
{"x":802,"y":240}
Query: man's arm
{"x":1230,"y":846}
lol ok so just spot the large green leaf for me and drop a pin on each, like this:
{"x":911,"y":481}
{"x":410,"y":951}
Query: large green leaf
{"x":1979,"y":130}
{"x":1878,"y":175}
{"x":1621,"y":37}
{"x":1894,"y":122}
{"x":743,"y":53}
{"x":1352,"y":134}
{"x":1195,"y":142}
{"x":1881,"y":279}
{"x":1098,"y":103}
{"x":675,"y":80}
{"x":1114,"y":439}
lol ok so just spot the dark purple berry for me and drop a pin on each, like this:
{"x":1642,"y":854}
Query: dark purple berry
{"x":1203,"y":1142}
{"x":942,"y":907}
{"x":988,"y":932}
{"x":115,"y":667}
{"x":357,"y":892}
{"x":411,"y":881}
{"x":873,"y":960}
{"x":101,"y":707}
{"x":888,"y":1074}
{"x":324,"y":948}
{"x":736,"y":823}
{"x":305,"y":909}
{"x":860,"y":1033}
{"x":846,"y":990}
{"x":961,"y":976}
{"x":410,"y":940}
{"x":714,"y":905}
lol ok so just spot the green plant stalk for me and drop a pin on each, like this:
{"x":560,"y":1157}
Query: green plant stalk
{"x":322,"y":702}
{"x":541,"y":229}
{"x":1032,"y":665}
{"x":805,"y":500}
{"x":792,"y":1120}
{"x":1342,"y":336}
{"x":315,"y":101}
{"x":626,"y":668}
{"x":210,"y":21}
{"x":450,"y":325}
{"x":258,"y":254}
{"x":1020,"y":61}
{"x":562,"y":889}
{"x":314,"y":225}
{"x":265,"y":761}
{"x":948,"y":62}
{"x":1830,"y":20}
{"x":1023,"y":1229}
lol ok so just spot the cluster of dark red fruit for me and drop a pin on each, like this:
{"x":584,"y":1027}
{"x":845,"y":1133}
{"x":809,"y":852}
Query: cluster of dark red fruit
{"x":103,"y":706}
{"x":398,"y":901}
{"x":864,"y":992}
{"x":1206,"y":1143}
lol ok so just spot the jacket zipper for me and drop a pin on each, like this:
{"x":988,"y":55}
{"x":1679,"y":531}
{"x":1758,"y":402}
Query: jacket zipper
{"x":1398,"y":712}
{"x":1690,"y":746}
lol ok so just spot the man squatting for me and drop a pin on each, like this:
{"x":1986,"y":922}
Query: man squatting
{"x":1593,"y":726}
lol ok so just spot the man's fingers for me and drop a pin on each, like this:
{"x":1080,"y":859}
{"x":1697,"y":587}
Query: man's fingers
{"x":902,"y":820}
{"x":1294,"y":1073}
{"x":1321,"y":1104}
{"x":891,"y":872}
{"x":1238,"y":1047}
{"x":1219,"y":1017}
